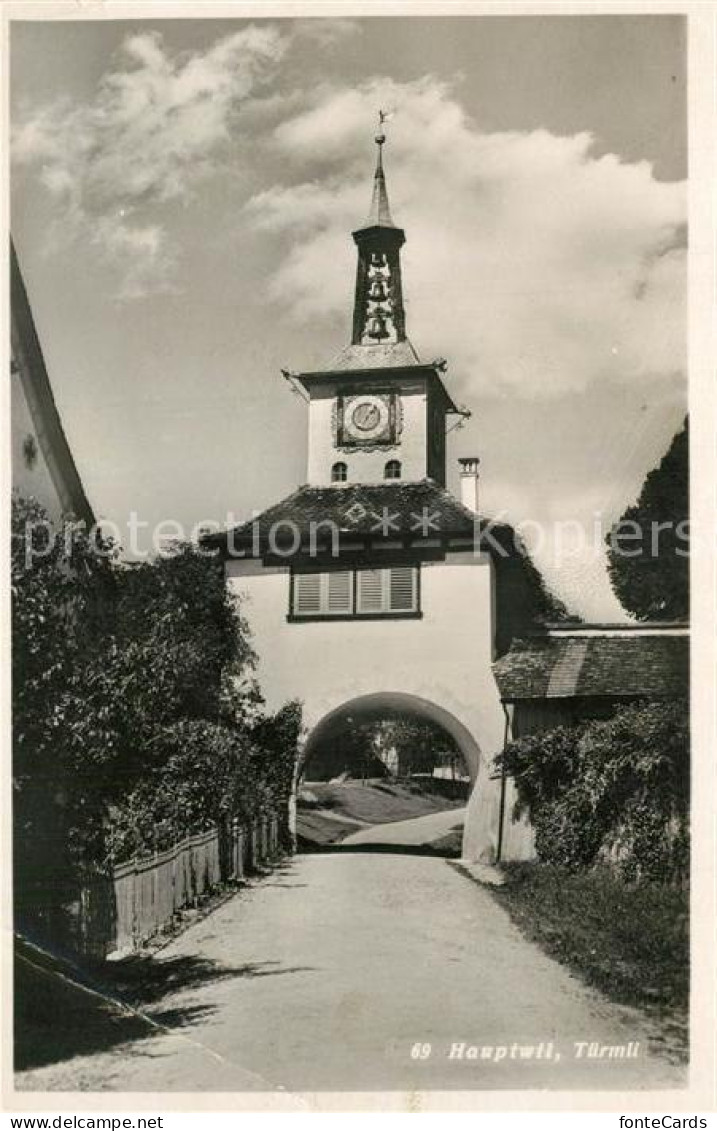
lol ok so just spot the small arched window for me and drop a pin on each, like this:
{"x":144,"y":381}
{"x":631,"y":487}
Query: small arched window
{"x":392,"y":470}
{"x":339,"y":472}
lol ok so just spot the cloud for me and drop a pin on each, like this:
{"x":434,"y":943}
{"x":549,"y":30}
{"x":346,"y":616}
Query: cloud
{"x":325,"y":33}
{"x":534,"y":264}
{"x":159,"y":124}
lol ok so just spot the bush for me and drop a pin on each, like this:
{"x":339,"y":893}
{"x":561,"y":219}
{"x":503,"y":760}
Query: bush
{"x":202,"y":774}
{"x":614,"y":789}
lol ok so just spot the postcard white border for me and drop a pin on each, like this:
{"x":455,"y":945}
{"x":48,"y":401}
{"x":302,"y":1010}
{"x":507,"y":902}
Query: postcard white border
{"x":700,"y":1094}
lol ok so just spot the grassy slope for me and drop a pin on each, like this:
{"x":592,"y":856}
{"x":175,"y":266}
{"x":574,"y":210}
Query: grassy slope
{"x":328,"y":812}
{"x":630,"y":941}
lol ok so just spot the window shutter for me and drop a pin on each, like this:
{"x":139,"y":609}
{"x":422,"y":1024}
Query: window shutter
{"x":318,"y":594}
{"x":307,"y":593}
{"x":339,"y":591}
{"x":370,"y":591}
{"x":378,"y":591}
{"x":402,"y":589}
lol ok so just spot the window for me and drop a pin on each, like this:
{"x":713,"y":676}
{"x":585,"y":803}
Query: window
{"x":323,"y":594}
{"x":392,"y":470}
{"x":339,"y":472}
{"x":381,"y":591}
{"x":390,"y":591}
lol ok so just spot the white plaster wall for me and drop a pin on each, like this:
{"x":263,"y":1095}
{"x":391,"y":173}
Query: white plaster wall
{"x":366,"y":466}
{"x":35,"y":481}
{"x":444,"y":658}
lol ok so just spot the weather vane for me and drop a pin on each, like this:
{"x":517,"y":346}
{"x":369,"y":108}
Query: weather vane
{"x":383,"y":116}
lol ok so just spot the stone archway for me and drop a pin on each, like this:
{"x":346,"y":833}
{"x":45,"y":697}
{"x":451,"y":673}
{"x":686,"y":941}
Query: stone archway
{"x":398,"y":702}
{"x":406,"y":703}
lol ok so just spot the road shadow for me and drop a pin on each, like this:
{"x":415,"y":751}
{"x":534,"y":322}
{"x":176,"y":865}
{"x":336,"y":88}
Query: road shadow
{"x":62,"y":1011}
{"x":446,"y":853}
{"x":283,"y":876}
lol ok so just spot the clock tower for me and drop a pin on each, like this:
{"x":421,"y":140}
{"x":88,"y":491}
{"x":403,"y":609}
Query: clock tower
{"x":371,"y":588}
{"x":377,"y":412}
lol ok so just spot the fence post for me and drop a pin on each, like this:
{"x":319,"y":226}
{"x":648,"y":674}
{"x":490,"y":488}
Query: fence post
{"x":239,"y":832}
{"x":135,"y":897}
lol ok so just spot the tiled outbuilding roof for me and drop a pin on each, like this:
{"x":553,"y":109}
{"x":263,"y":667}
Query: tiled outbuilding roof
{"x":615,"y":665}
{"x":401,"y":511}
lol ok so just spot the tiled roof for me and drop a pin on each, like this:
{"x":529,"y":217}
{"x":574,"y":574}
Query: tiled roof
{"x":391,"y":511}
{"x":618,"y":665}
{"x":383,"y":355}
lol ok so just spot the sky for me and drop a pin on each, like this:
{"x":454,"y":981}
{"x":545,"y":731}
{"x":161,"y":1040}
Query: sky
{"x":183,"y":193}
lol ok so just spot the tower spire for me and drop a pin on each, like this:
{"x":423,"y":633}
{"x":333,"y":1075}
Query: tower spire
{"x":378,"y":304}
{"x":380,"y":213}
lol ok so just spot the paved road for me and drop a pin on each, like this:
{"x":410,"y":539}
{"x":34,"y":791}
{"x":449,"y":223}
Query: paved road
{"x":325,"y":975}
{"x":417,"y":831}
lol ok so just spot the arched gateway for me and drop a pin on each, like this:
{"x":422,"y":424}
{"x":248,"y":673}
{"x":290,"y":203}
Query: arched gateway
{"x":372,"y":583}
{"x":387,"y":703}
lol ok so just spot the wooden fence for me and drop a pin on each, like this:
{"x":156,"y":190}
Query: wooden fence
{"x":120,"y":911}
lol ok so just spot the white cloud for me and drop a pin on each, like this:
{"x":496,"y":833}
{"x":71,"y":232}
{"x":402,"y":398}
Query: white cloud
{"x":325,"y":33}
{"x":157,"y":126}
{"x":530,"y":262}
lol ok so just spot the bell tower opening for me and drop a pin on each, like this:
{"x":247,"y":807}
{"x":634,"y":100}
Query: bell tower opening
{"x":379,"y":315}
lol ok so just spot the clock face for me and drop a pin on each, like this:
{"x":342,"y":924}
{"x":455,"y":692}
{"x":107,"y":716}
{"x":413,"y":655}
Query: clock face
{"x":368,"y":418}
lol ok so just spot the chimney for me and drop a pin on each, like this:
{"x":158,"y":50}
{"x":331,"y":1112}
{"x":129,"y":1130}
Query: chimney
{"x":469,"y":482}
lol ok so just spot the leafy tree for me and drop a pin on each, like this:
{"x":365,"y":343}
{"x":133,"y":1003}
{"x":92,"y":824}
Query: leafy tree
{"x":349,"y":748}
{"x":401,"y":744}
{"x":62,"y":597}
{"x":276,"y":738}
{"x":177,"y":608}
{"x":137,"y":717}
{"x":418,"y":743}
{"x":648,"y":549}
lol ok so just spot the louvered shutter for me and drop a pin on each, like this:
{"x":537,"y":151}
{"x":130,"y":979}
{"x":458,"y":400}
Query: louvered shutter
{"x":370,"y":591}
{"x":307,"y":593}
{"x":339,"y":591}
{"x":402,"y":589}
{"x":390,"y":590}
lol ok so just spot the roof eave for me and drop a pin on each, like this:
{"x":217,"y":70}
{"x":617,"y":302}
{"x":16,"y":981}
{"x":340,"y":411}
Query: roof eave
{"x":608,"y":696}
{"x":375,"y":229}
{"x":315,"y":376}
{"x":244,"y":540}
